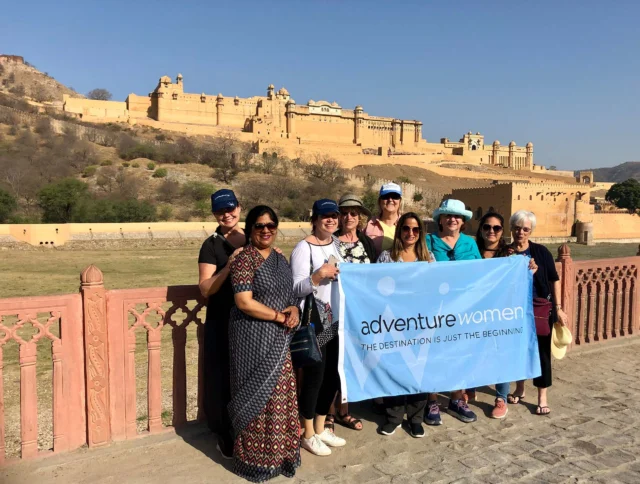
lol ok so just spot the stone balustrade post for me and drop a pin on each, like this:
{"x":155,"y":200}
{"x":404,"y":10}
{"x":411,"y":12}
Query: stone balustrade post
{"x":96,"y":351}
{"x":567,"y":281}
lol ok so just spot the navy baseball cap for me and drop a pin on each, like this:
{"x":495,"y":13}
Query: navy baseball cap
{"x":222,"y":199}
{"x":324,"y":206}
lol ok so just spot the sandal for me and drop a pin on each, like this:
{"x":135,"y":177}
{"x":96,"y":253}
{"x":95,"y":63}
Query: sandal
{"x":348,"y":421}
{"x":329,"y":422}
{"x":514,"y":399}
{"x":543,"y":410}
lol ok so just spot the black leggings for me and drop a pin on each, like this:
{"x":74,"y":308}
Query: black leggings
{"x":320,"y":383}
{"x":544,"y":348}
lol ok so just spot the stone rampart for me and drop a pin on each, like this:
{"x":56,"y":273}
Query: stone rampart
{"x":54,"y":235}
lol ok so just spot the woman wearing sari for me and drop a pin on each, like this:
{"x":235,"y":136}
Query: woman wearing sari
{"x":263,"y":408}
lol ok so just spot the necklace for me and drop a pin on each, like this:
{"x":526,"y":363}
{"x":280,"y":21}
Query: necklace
{"x":326,"y":257}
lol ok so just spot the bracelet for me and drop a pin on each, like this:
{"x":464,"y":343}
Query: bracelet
{"x":276,"y":316}
{"x":558,"y":306}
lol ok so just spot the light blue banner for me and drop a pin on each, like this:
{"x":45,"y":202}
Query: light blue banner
{"x":409,"y":328}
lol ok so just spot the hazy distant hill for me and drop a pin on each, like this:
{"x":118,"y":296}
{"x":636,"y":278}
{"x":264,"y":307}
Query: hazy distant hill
{"x":618,"y":173}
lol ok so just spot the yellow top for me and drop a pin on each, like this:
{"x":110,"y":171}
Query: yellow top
{"x":389,"y":234}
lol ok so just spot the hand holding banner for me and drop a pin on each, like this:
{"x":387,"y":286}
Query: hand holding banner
{"x":418,"y":327}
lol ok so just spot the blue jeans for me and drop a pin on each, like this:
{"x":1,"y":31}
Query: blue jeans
{"x":502,"y":389}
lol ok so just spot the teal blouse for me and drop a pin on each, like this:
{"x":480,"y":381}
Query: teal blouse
{"x":465,"y":249}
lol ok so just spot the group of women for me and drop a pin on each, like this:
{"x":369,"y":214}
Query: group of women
{"x":260,"y":407}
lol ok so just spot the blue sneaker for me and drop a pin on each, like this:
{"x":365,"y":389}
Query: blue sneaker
{"x":460,"y":410}
{"x":433,"y":416}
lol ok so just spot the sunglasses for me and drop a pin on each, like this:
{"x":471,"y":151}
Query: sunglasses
{"x":353,"y":213}
{"x":525,"y":230}
{"x":329,"y":215}
{"x":496,"y":228}
{"x":391,"y":196}
{"x":271,"y":226}
{"x":415,"y":230}
{"x":220,"y":213}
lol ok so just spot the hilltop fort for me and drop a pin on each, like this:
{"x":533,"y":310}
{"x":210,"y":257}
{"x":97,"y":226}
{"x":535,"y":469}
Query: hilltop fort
{"x":277,"y":120}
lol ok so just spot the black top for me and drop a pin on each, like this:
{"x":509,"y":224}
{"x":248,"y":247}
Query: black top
{"x":546,"y":274}
{"x":216,"y":250}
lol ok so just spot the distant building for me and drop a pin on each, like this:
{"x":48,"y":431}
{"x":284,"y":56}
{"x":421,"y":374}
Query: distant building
{"x":276,"y":116}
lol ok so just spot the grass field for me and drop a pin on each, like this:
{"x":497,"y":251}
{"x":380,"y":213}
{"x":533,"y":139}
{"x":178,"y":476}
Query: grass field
{"x":36,"y":273}
{"x":47,"y":272}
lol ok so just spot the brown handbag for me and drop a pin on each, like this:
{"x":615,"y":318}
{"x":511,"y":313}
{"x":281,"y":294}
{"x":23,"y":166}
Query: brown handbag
{"x":541,"y":313}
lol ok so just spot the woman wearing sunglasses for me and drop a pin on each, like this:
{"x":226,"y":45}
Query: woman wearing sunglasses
{"x":491,"y":244}
{"x":408,"y":246}
{"x":382,"y":228}
{"x":450,"y":244}
{"x":546,"y":295}
{"x":357,"y":248}
{"x":263,"y":408}
{"x":313,"y":262}
{"x":216,"y":255}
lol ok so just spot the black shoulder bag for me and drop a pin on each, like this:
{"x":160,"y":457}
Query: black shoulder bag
{"x":304,"y":346}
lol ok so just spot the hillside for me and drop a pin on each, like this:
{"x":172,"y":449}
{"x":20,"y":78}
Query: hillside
{"x":23,"y":79}
{"x":618,"y":173}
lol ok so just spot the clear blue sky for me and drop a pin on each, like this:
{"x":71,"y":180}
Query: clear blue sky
{"x":563,"y":74}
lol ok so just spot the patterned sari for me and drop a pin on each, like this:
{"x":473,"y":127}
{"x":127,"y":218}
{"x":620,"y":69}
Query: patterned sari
{"x":264,"y":406}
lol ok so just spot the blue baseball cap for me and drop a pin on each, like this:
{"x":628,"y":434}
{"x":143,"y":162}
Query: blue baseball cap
{"x":325,"y":206}
{"x":222,"y":199}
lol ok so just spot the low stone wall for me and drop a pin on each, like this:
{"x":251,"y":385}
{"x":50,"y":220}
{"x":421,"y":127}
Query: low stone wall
{"x":56,"y":235}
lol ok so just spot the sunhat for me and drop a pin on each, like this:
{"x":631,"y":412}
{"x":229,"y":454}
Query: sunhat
{"x":452,"y":207}
{"x":352,"y":200}
{"x":390,"y":188}
{"x":560,"y":339}
{"x":325,"y":206}
{"x":222,"y":199}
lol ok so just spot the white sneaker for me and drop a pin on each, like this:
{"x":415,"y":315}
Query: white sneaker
{"x":331,"y":439}
{"x":315,"y":446}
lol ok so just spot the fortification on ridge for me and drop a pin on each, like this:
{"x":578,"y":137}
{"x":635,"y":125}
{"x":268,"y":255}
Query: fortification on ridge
{"x":276,"y":119}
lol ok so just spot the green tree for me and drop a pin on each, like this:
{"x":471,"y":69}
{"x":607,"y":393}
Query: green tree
{"x":196,"y":190}
{"x":133,"y":210}
{"x":625,"y":195}
{"x":370,"y":200}
{"x":8,"y":205}
{"x":60,"y":199}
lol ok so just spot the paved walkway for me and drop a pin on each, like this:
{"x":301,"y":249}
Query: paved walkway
{"x":592,"y":435}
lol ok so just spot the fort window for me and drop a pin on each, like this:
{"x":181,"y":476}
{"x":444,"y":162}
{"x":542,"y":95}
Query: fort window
{"x":541,"y":197}
{"x":518,"y":197}
{"x":530,"y":197}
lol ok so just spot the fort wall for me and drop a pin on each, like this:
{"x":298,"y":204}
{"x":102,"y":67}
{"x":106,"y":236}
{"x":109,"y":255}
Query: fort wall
{"x":276,"y":116}
{"x":616,"y":226}
{"x":89,"y":108}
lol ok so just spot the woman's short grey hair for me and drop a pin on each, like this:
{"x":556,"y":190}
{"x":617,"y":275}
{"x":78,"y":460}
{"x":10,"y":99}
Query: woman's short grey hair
{"x":522,"y":216}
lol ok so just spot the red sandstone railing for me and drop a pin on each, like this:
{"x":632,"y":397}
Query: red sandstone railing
{"x":94,"y":367}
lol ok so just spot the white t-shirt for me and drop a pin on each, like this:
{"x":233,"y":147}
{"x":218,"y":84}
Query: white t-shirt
{"x":306,"y":254}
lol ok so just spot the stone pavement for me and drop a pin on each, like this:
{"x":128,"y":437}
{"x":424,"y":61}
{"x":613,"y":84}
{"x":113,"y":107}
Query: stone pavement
{"x":592,"y":435}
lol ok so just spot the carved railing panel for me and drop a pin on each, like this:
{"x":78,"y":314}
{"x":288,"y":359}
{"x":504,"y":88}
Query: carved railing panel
{"x":605,"y":296}
{"x":31,"y":323}
{"x":154,"y":312}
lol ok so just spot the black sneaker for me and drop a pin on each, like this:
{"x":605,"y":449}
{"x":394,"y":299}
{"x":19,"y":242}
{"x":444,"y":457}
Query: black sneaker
{"x":389,"y":429}
{"x":225,"y":448}
{"x":460,"y":410}
{"x":416,"y":430}
{"x":433,"y":416}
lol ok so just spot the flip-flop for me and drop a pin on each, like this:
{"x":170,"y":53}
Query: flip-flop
{"x":540,"y":408}
{"x":514,"y":399}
